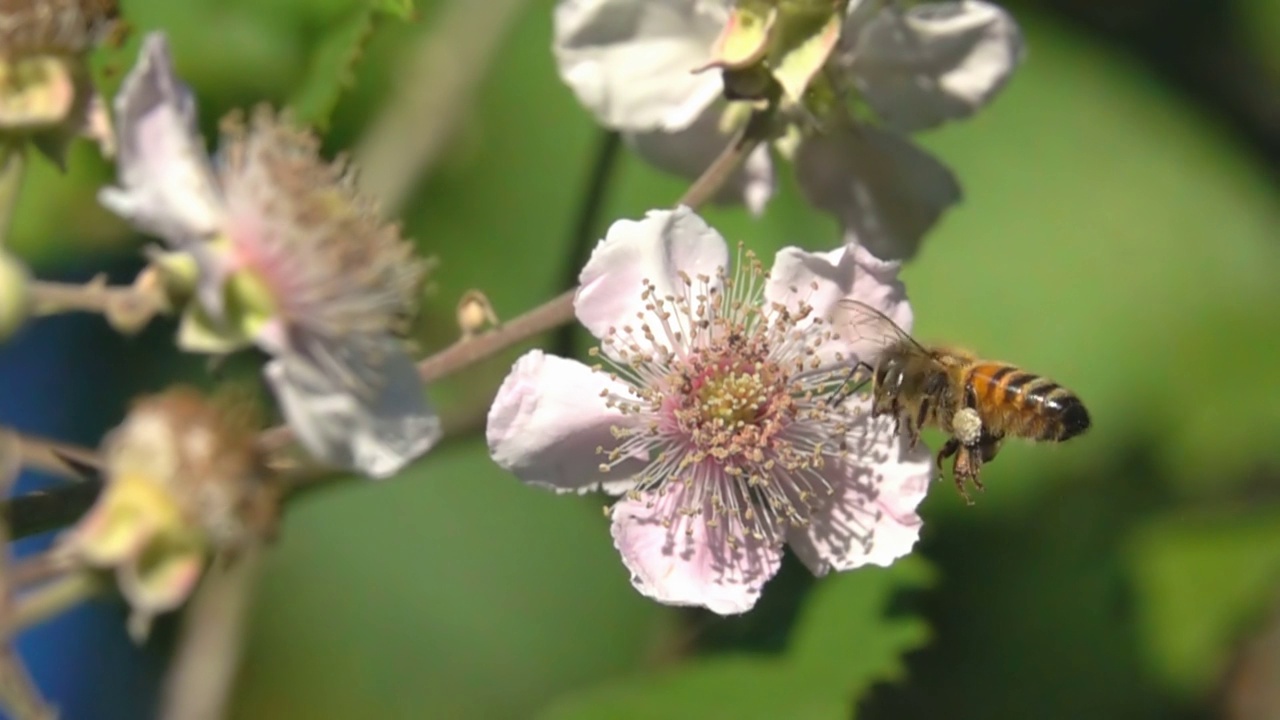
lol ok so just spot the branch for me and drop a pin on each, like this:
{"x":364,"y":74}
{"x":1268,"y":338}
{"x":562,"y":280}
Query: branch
{"x":128,"y":308}
{"x":52,"y":599}
{"x":755,"y":131}
{"x":202,"y":674}
{"x":62,"y":459}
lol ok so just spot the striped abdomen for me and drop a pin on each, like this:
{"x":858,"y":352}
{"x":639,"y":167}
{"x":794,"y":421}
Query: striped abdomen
{"x":1015,"y":402}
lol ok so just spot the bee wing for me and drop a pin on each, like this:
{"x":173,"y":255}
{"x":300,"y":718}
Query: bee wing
{"x":868,"y":330}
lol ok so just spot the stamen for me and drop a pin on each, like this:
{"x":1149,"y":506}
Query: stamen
{"x":733,"y":397}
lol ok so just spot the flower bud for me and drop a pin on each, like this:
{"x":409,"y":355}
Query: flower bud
{"x":475,"y":313}
{"x":15,"y":294}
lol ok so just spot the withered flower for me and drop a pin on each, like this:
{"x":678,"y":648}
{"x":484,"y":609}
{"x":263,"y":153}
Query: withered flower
{"x":289,"y":257}
{"x":46,"y":92}
{"x":184,"y":482}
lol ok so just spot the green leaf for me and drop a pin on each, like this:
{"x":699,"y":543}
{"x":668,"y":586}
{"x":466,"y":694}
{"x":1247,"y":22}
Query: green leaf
{"x":843,"y":639}
{"x":332,"y":68}
{"x":842,"y":645}
{"x":1199,"y":579}
{"x":740,"y":687}
{"x":452,"y":591}
{"x":402,"y":9}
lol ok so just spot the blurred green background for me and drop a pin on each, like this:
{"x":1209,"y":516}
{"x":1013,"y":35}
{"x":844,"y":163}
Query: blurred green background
{"x":1119,"y":234}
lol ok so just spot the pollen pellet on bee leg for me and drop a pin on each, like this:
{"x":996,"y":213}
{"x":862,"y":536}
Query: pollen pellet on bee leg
{"x":967,"y":426}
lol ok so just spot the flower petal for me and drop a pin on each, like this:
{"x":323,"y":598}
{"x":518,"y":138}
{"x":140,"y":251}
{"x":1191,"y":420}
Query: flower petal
{"x":166,"y":184}
{"x":871,"y":519}
{"x":158,"y":580}
{"x":885,"y":190}
{"x":548,"y":420}
{"x":657,"y":249}
{"x":162,"y":575}
{"x":935,"y":62}
{"x":677,"y":559}
{"x":375,"y":436}
{"x":632,"y":62}
{"x":690,"y":151}
{"x":823,"y":280}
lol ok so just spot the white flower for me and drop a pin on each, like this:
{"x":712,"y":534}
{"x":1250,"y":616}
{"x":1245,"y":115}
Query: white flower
{"x":714,"y":415}
{"x":632,"y":63}
{"x":289,"y":258}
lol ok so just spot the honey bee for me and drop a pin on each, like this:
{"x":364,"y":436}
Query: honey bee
{"x":977,"y":402}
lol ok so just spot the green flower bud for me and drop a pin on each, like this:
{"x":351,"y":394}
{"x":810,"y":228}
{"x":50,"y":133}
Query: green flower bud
{"x":15,"y":295}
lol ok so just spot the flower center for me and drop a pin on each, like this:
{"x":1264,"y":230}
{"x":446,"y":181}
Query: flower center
{"x":731,"y":399}
{"x":728,"y":406}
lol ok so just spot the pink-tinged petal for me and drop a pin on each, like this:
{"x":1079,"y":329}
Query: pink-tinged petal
{"x":632,"y":62}
{"x":163,"y":576}
{"x":935,"y":62}
{"x":823,"y":280}
{"x":657,"y":249}
{"x":158,"y":582}
{"x":548,"y":420}
{"x":166,"y":186}
{"x":375,"y":435}
{"x":885,"y":190}
{"x":871,"y":519}
{"x":677,"y":559}
{"x":690,"y":151}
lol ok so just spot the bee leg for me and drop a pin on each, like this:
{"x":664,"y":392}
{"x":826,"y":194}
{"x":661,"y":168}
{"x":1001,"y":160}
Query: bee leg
{"x":990,"y":445}
{"x":910,"y":431}
{"x":965,"y":470}
{"x":986,"y":449}
{"x":971,"y":458}
{"x":951,"y":448}
{"x":918,"y":422}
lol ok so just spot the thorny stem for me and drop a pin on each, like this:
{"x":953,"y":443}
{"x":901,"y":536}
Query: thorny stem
{"x":56,"y":458}
{"x":52,"y":599}
{"x":128,"y":308}
{"x":44,"y":510}
{"x":202,"y":672}
{"x":20,"y":697}
{"x":752,"y":133}
{"x":38,"y":568}
{"x":559,"y":310}
{"x":585,"y":229}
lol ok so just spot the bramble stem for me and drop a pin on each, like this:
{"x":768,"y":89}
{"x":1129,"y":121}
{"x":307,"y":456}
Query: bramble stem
{"x":559,"y":310}
{"x":127,"y":307}
{"x":56,"y":458}
{"x":753,"y":132}
{"x":203,"y":670}
{"x":52,"y":599}
{"x":36,"y":569}
{"x":21,"y":699}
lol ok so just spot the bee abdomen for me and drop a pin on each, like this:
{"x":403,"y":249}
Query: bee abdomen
{"x":1034,"y":406}
{"x":1071,"y":417}
{"x":1063,"y":412}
